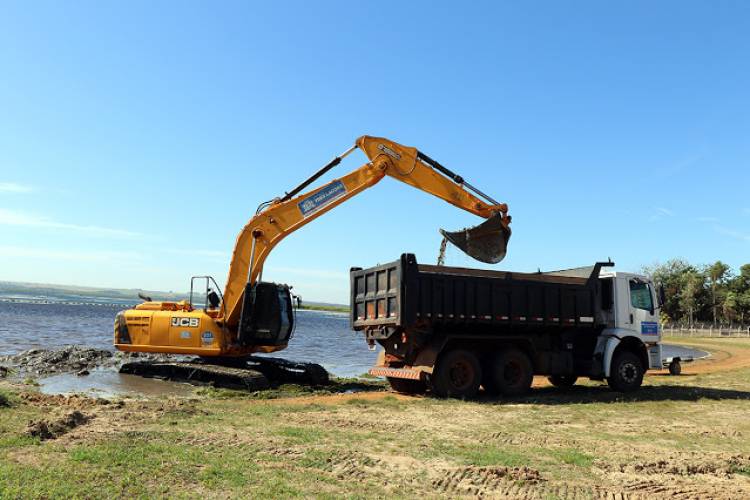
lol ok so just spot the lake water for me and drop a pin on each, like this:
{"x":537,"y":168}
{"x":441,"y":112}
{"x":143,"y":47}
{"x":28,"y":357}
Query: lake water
{"x":320,"y":337}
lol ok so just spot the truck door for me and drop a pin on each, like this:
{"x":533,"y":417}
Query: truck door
{"x":643,"y":310}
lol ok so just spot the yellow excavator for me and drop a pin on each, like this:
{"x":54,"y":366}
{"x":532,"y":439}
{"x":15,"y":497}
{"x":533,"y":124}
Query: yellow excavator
{"x":255,"y":316}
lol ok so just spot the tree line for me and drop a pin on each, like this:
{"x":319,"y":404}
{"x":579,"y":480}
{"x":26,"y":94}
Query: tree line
{"x":710,"y":293}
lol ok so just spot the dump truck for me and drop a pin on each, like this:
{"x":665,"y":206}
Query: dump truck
{"x":453,"y":330}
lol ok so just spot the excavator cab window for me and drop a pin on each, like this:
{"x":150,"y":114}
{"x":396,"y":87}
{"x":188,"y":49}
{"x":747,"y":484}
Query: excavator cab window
{"x":212,"y":300}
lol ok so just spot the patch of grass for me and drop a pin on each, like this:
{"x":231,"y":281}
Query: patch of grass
{"x":483,"y":456}
{"x":5,"y":399}
{"x":743,"y":470}
{"x":389,"y":402}
{"x":217,"y":393}
{"x":31,"y":382}
{"x":573,"y":457}
{"x":336,"y":386}
{"x":17,"y":441}
{"x":302,"y":435}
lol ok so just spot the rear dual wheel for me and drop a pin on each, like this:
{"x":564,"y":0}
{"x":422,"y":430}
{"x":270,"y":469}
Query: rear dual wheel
{"x":508,"y":373}
{"x":457,"y":374}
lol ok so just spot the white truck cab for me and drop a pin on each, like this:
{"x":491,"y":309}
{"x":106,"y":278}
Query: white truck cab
{"x":631,"y":305}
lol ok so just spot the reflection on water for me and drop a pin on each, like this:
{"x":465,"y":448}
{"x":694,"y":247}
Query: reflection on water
{"x":320,"y":337}
{"x":108,"y":383}
{"x":671,"y":351}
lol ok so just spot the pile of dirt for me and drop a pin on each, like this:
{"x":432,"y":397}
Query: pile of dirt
{"x":717,"y":465}
{"x":53,"y":429}
{"x":67,"y":359}
{"x":72,"y":358}
{"x":72,"y":401}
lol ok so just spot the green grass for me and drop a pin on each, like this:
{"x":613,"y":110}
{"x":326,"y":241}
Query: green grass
{"x":327,"y":308}
{"x":301,"y":435}
{"x":235,"y":444}
{"x":487,"y":456}
{"x":573,"y":457}
{"x":284,"y":391}
{"x":5,"y":399}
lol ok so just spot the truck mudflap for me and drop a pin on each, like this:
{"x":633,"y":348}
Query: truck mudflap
{"x":407,"y":373}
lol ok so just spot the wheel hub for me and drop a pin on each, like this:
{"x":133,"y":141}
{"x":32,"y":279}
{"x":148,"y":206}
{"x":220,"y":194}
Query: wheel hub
{"x":628,"y":372}
{"x":461,"y":374}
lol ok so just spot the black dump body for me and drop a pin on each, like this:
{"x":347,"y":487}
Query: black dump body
{"x":406,"y":306}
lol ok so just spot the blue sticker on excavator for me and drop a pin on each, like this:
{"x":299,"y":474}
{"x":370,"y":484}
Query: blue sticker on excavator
{"x":323,"y":197}
{"x":649,"y":328}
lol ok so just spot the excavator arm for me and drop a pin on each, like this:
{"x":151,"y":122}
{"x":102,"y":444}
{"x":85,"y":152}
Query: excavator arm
{"x":280,"y":217}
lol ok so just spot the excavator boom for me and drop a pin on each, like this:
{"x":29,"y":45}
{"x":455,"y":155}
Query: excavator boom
{"x":285,"y":215}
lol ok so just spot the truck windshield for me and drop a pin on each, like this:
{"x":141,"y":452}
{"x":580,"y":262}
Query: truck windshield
{"x":640,"y":295}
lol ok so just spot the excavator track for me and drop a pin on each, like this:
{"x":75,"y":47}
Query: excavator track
{"x":254,"y":373}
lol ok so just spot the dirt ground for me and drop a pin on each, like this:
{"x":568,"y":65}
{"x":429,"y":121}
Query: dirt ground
{"x":678,"y":437}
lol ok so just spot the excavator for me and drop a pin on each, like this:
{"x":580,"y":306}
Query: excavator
{"x":256,"y":316}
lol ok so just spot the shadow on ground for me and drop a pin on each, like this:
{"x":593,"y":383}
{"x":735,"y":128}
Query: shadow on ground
{"x":603,"y":394}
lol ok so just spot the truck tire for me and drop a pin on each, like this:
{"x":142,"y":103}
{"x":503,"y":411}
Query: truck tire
{"x":562,"y":380}
{"x":512,"y":372}
{"x":626,"y":372}
{"x":406,"y":386}
{"x":457,"y":374}
{"x":675,"y":368}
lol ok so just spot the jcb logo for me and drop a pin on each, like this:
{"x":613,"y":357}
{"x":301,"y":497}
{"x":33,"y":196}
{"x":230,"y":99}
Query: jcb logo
{"x":186,"y":322}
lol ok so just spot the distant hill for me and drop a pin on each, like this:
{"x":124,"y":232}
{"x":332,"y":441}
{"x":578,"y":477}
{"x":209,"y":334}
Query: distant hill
{"x":45,"y":292}
{"x":70,"y":293}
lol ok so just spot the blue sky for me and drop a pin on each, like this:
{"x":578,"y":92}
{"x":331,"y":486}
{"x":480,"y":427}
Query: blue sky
{"x":137,"y":138}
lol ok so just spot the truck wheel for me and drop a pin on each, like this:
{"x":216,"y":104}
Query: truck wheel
{"x":562,"y":380}
{"x":457,"y":375}
{"x":626,"y":372}
{"x":675,"y":368}
{"x":406,"y":386}
{"x":512,"y":372}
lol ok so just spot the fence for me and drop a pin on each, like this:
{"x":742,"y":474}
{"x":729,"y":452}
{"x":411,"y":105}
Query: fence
{"x":705,"y":330}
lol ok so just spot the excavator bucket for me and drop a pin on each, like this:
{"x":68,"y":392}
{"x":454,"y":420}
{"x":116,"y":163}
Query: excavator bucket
{"x":487,"y":242}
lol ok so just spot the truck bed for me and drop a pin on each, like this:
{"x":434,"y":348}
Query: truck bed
{"x":405,"y":294}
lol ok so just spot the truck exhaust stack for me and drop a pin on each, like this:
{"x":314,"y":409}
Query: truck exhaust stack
{"x":487,"y":242}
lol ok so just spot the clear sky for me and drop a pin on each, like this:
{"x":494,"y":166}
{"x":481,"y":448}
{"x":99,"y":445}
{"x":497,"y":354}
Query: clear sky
{"x":137,"y":138}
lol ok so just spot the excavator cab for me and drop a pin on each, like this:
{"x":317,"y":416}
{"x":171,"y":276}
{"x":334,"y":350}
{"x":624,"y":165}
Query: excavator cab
{"x":267,"y":317}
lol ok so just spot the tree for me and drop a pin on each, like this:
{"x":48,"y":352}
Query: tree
{"x":671,"y":276}
{"x":729,"y":306}
{"x":717,"y":274}
{"x":692,"y":286}
{"x":740,"y":287}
